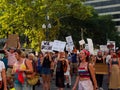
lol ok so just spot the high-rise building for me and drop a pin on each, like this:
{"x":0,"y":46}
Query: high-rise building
{"x":107,"y":7}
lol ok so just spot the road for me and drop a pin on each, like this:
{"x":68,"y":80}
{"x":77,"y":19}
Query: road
{"x":53,"y":87}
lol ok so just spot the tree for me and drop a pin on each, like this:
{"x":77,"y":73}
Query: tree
{"x":99,"y":28}
{"x":25,"y":17}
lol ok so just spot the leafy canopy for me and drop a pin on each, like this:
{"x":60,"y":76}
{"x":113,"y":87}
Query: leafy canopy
{"x":25,"y":17}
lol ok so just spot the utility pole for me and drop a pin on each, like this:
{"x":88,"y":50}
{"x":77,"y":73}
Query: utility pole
{"x":82,"y":33}
{"x":82,"y":37}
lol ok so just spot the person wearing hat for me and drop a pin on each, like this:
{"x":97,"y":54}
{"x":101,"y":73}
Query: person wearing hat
{"x":11,"y":61}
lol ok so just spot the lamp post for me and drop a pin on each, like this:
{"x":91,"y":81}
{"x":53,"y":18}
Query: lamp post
{"x":46,"y":26}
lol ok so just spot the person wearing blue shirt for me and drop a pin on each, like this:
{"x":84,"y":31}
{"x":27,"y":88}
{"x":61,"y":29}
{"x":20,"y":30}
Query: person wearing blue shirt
{"x":5,"y":61}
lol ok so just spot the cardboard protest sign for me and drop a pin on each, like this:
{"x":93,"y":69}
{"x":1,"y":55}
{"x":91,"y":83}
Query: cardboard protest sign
{"x":58,"y":45}
{"x":101,"y":68}
{"x":46,"y":46}
{"x":12,"y":40}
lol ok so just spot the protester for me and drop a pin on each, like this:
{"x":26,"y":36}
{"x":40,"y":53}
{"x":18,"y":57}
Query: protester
{"x":31,"y":57}
{"x":74,"y":61}
{"x":60,"y":80}
{"x":52,"y":67}
{"x":3,"y":81}
{"x":99,"y":77}
{"x":105,"y":54}
{"x":85,"y":72}
{"x":108,"y":58}
{"x":11,"y":60}
{"x":114,"y":83}
{"x":5,"y":61}
{"x":111,"y":51}
{"x":21,"y":70}
{"x":68,"y":59}
{"x":39,"y":63}
{"x":92,"y":59}
{"x":46,"y":71}
{"x":54,"y":58}
{"x":67,"y":74}
{"x":39,"y":67}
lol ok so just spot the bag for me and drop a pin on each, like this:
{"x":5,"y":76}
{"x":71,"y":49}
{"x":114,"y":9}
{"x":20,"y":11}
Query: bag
{"x":39,"y":67}
{"x":20,"y":77}
{"x":33,"y":80}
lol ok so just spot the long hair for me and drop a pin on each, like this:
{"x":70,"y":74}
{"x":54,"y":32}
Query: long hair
{"x":87,"y":53}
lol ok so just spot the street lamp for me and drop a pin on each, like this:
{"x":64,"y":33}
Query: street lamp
{"x":46,"y":26}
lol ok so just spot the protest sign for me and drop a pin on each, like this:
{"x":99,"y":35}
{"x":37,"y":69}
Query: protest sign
{"x":81,"y":42}
{"x":46,"y":46}
{"x":103,"y":48}
{"x":12,"y":40}
{"x":69,"y":48}
{"x":101,"y":68}
{"x":90,"y":46}
{"x":70,"y":44}
{"x":58,"y":45}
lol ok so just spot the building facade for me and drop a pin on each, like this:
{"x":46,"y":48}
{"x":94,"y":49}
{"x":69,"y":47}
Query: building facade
{"x":107,"y":7}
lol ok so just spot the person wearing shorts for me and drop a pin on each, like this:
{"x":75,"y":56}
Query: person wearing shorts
{"x":46,"y":71}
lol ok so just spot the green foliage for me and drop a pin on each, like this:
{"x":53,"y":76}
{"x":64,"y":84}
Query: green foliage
{"x":99,"y":28}
{"x":25,"y":17}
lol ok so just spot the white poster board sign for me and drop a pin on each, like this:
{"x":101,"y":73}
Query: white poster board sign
{"x":69,"y":48}
{"x":70,"y":44}
{"x":69,"y":41}
{"x":103,"y":48}
{"x":90,"y":46}
{"x":58,"y":45}
{"x":81,"y":42}
{"x":46,"y":46}
{"x":86,"y":47}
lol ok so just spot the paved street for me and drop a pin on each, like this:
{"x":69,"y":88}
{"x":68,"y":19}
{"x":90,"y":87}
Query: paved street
{"x":53,"y":87}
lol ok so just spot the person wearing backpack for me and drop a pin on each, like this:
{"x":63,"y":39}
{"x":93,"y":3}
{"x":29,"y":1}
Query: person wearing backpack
{"x":35,"y":77}
{"x":20,"y":71}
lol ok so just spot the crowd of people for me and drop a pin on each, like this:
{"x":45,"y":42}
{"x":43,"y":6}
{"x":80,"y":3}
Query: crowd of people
{"x":17,"y":69}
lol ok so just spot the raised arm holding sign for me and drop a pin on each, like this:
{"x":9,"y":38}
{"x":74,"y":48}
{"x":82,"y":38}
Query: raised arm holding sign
{"x":11,"y":56}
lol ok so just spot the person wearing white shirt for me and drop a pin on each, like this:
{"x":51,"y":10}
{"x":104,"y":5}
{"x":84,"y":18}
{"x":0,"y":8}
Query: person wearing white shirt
{"x":3,"y":85}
